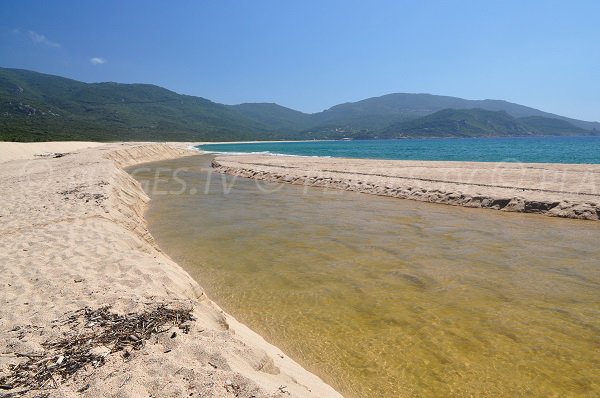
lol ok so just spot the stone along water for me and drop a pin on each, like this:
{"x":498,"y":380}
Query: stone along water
{"x":384,"y":297}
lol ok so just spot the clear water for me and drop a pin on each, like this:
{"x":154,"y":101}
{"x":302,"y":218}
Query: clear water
{"x":520,"y":149}
{"x":384,"y":297}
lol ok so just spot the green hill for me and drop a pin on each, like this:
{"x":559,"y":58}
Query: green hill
{"x":36,"y":107}
{"x":278,"y":117}
{"x":392,"y":108}
{"x":40,"y":107}
{"x":457,"y":123}
{"x":478,"y":123}
{"x":551,"y":126}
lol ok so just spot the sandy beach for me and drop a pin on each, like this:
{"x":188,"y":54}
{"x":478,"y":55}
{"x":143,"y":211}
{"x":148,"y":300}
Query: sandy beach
{"x":560,"y":190}
{"x":74,"y":237}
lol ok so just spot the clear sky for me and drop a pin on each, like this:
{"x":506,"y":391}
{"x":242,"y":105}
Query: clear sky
{"x":310,"y":55}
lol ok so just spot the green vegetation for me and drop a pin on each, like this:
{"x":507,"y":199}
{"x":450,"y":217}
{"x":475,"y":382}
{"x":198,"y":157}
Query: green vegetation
{"x":36,"y":107}
{"x":400,"y":107}
{"x":458,"y":123}
{"x":479,"y":123}
{"x":39,"y":107}
{"x":548,"y":126}
{"x":276,"y":116}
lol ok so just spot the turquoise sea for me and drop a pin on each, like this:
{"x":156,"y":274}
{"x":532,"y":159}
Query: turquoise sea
{"x":516,"y":149}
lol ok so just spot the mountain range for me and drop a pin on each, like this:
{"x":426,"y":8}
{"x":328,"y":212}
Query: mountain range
{"x":41,"y":107}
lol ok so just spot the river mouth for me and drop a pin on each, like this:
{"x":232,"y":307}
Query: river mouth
{"x":383,"y":297}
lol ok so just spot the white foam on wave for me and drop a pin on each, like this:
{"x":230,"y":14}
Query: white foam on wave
{"x":262,"y":153}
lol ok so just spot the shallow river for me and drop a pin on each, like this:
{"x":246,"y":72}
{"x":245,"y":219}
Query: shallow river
{"x":383,"y":297}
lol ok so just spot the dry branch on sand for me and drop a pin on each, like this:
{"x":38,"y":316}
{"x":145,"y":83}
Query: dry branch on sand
{"x":94,"y":334}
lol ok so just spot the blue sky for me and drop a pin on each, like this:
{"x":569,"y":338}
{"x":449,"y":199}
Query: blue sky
{"x":310,"y":55}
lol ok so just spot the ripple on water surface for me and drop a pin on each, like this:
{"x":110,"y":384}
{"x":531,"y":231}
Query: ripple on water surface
{"x":384,"y":297}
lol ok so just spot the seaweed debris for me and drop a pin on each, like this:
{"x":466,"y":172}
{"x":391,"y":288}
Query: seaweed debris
{"x":94,"y":334}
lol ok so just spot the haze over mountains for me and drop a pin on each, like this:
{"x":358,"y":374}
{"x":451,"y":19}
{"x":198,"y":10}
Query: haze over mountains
{"x":40,"y":107}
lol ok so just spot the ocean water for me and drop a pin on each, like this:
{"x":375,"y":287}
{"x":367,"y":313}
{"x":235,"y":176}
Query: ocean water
{"x":383,"y":297}
{"x":518,"y":149}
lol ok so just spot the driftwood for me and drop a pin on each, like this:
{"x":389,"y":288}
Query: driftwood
{"x":96,"y":329}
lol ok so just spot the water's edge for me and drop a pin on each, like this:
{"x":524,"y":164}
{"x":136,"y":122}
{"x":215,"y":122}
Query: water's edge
{"x":583,"y":210}
{"x":252,"y":356}
{"x":384,"y":297}
{"x":564,"y":150}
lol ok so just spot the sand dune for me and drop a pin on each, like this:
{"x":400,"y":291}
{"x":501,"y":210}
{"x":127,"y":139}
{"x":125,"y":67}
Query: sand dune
{"x":74,"y":236}
{"x":560,"y":190}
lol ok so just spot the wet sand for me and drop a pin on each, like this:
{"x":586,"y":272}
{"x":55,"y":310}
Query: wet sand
{"x":560,"y":190}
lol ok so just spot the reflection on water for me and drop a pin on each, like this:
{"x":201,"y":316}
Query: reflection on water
{"x":385,"y":297}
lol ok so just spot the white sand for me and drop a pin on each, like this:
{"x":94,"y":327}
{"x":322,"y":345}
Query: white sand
{"x":31,"y":150}
{"x":73,"y":235}
{"x":562,"y":190}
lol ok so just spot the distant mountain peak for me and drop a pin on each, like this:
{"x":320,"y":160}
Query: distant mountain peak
{"x":30,"y":102}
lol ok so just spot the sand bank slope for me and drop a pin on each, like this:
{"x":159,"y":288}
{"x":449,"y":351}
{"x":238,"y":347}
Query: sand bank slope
{"x":73,"y":235}
{"x":559,"y":190}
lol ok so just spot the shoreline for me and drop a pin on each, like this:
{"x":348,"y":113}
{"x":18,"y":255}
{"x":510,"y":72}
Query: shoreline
{"x":332,"y":266}
{"x":412,"y":159}
{"x":75,"y":236}
{"x":551,"y":189}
